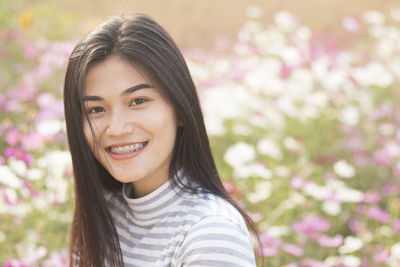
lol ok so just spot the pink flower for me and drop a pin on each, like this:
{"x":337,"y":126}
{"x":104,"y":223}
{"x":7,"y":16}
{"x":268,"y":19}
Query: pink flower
{"x":298,"y":182}
{"x":356,"y":226}
{"x":293,"y":250}
{"x":269,"y":245}
{"x":361,"y":158}
{"x":57,"y":259}
{"x":378,"y":214}
{"x":23,"y":93}
{"x":286,"y":70}
{"x":29,"y":51}
{"x":390,"y":188}
{"x":312,"y":263}
{"x":311,"y":226}
{"x":32,"y":141}
{"x":381,"y":158}
{"x":351,"y":24}
{"x":372,"y":197}
{"x":396,"y":226}
{"x":32,"y":191}
{"x":330,"y":242}
{"x":12,"y":136}
{"x":8,"y":200}
{"x":18,"y":153}
{"x":382,"y":256}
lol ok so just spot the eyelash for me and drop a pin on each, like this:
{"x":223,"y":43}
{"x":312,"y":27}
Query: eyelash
{"x":93,"y":110}
{"x":142,"y":100}
{"x":96,"y":110}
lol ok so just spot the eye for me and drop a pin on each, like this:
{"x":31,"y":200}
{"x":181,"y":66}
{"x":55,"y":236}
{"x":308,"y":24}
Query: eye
{"x":138,"y":101}
{"x":95,"y":110}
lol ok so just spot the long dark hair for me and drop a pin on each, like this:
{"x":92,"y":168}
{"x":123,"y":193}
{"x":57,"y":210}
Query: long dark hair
{"x":141,"y":41}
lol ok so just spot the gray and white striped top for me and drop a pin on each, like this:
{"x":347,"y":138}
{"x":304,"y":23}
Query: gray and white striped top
{"x":171,"y":227}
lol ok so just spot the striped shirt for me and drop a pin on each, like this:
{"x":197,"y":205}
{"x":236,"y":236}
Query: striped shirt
{"x":171,"y":227}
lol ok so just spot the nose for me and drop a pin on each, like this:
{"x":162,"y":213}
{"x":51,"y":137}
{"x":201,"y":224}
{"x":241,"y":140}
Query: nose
{"x":120,"y":124}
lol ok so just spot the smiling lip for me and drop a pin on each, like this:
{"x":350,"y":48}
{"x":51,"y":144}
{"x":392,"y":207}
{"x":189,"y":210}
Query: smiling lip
{"x":111,"y":150}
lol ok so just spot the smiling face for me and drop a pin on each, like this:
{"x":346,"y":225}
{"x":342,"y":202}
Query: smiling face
{"x":134,"y":126}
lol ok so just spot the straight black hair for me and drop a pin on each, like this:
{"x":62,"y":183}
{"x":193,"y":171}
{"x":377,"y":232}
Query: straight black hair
{"x":143,"y":43}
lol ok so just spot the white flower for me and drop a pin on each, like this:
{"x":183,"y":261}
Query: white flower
{"x":317,"y":99}
{"x":277,"y":231}
{"x":346,"y":194}
{"x":255,"y":169}
{"x":375,"y":73}
{"x":282,"y":171}
{"x":57,"y":189}
{"x":374,"y":17}
{"x":254,"y":12}
{"x":331,"y":208}
{"x":49,"y":127}
{"x":18,"y":167}
{"x":239,"y":154}
{"x":265,"y":70}
{"x":294,"y":199}
{"x":242,"y":129}
{"x":351,"y":24}
{"x":385,"y":231}
{"x":225,"y":103}
{"x":302,"y":35}
{"x":395,"y":252}
{"x":8,"y":178}
{"x":292,"y":144}
{"x":386,"y":129}
{"x":11,"y":195}
{"x":395,"y":13}
{"x":351,"y":261}
{"x":291,"y":56}
{"x":285,"y":20}
{"x":262,"y":192}
{"x":350,"y":115}
{"x":270,"y":148}
{"x":332,"y":261}
{"x":316,"y":191}
{"x":344,"y":169}
{"x":56,"y":162}
{"x":299,"y":85}
{"x":214,"y":125}
{"x":351,"y":244}
{"x":35,"y":174}
{"x":386,"y":48}
{"x":334,"y":79}
{"x":288,"y":107}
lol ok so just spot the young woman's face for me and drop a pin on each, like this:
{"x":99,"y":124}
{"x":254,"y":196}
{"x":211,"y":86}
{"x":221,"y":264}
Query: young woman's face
{"x":134,"y":125}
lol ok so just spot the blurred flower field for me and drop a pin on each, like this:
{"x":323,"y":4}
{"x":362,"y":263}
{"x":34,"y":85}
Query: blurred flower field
{"x":304,"y":126}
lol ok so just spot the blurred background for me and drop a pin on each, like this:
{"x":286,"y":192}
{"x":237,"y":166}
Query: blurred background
{"x":301,"y":102}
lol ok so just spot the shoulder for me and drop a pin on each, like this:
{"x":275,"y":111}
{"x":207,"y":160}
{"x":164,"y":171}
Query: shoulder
{"x":209,"y":205}
{"x":216,"y":241}
{"x":218,"y":238}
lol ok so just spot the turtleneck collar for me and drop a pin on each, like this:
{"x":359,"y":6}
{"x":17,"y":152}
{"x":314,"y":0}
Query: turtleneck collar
{"x":146,"y":210}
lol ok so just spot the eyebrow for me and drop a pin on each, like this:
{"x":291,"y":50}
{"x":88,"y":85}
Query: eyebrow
{"x":127,"y":91}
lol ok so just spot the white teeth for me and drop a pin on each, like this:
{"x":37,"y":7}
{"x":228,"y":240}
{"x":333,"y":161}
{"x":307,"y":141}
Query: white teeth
{"x":126,"y":149}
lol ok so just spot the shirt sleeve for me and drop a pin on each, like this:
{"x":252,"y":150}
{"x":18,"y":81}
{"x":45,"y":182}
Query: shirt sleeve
{"x":216,"y":241}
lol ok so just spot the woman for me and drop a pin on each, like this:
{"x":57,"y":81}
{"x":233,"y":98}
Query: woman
{"x":146,"y":186}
